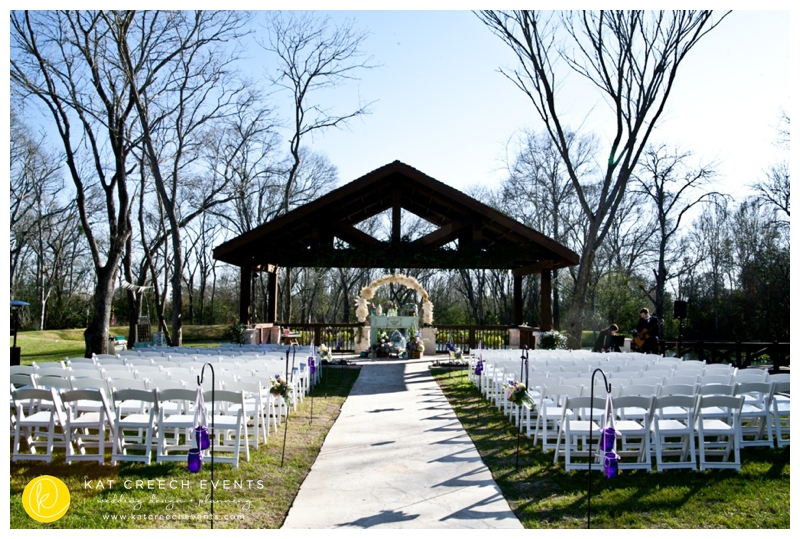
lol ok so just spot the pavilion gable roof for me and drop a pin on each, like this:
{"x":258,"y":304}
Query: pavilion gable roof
{"x":483,"y":237}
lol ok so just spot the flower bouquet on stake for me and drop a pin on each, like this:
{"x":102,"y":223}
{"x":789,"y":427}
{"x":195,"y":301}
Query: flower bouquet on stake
{"x":280,"y":388}
{"x":454,"y":351}
{"x":324,"y":353}
{"x":517,"y":393}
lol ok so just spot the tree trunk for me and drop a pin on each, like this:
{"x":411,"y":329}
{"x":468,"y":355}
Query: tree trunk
{"x":96,"y":334}
{"x":578,"y":306}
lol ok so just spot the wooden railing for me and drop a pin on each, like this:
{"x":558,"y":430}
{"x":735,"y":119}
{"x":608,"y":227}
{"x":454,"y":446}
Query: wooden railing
{"x":461,"y":336}
{"x":338,"y":337}
{"x":468,"y":337}
{"x":738,"y":353}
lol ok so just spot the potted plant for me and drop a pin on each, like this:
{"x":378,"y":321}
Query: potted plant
{"x":382,"y":346}
{"x":415,"y":346}
{"x":236,"y":331}
{"x":553,"y":340}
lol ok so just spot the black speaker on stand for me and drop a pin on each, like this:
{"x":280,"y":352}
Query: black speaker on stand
{"x":680,"y":308}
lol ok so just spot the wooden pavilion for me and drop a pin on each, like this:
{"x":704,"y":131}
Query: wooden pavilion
{"x":470,"y":235}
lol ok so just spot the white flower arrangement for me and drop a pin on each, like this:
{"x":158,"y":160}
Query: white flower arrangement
{"x":324,"y":352}
{"x":368,"y":292}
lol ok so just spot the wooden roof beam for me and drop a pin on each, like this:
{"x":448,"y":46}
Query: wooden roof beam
{"x":352,"y":235}
{"x":536,"y":267}
{"x":443,"y":236}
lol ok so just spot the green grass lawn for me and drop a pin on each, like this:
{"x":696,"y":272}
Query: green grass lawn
{"x":56,"y":345}
{"x":133,"y":495}
{"x":544,"y":496}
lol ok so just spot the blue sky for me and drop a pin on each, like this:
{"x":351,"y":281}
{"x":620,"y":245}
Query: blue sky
{"x":442,"y":106}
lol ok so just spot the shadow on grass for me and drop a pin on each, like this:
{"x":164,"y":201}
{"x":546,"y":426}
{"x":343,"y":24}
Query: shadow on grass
{"x":543,"y":495}
{"x":259,"y":492}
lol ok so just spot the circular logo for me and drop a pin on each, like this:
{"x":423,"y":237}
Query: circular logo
{"x":45,"y":498}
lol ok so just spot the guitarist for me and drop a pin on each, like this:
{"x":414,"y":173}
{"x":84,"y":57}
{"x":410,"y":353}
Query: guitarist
{"x":646,"y":332}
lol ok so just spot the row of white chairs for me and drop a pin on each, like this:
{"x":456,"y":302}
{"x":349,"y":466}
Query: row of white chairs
{"x":768,"y":410}
{"x":109,"y":374}
{"x":263,"y":411}
{"x":225,"y":380}
{"x":299,"y":378}
{"x":678,"y":431}
{"x":85,"y":422}
{"x":762,"y":412}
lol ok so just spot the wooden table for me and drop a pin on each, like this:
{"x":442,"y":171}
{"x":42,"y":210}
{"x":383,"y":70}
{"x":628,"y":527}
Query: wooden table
{"x":290,"y":339}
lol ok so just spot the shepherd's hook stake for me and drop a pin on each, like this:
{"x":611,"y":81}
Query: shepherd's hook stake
{"x":213,"y":396}
{"x":591,"y":419}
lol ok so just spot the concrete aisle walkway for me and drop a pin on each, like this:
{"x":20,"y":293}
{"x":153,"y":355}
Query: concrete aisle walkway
{"x":397,"y":457}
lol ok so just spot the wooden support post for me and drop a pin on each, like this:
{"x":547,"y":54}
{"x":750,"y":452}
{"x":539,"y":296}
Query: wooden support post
{"x":244,"y":296}
{"x":396,"y":214}
{"x":546,"y":306}
{"x":272,"y":306}
{"x":517,"y":300}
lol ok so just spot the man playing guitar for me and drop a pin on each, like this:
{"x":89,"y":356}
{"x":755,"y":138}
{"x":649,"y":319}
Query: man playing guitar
{"x":646,"y":333}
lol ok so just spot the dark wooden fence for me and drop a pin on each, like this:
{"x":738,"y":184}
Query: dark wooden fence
{"x":462,"y":336}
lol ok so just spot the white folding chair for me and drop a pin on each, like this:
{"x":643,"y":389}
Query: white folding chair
{"x":21,"y":369}
{"x":689,"y":380}
{"x":22,"y":381}
{"x":92,"y":405}
{"x":755,"y":418}
{"x":634,"y":423}
{"x":135,"y":362}
{"x":175,"y":424}
{"x":228,"y":426}
{"x":51,"y":369}
{"x":79,"y":362}
{"x":37,"y":426}
{"x":719,"y":436}
{"x":575,"y":427}
{"x":716,"y":379}
{"x":276,"y":406}
{"x":750,"y":375}
{"x":255,"y":408}
{"x":677,"y":422}
{"x":134,"y":430}
{"x":92,"y":372}
{"x":551,"y":412}
{"x":719,"y":369}
{"x":781,"y":408}
{"x":59,"y":383}
{"x":86,"y":430}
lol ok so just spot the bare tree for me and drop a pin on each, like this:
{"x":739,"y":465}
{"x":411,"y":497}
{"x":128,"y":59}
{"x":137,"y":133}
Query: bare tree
{"x":774,"y":189}
{"x":538,"y":177}
{"x":712,"y":245}
{"x":176,"y":69}
{"x":672,"y":188}
{"x":312,"y":55}
{"x":632,"y":59}
{"x":64,"y":60}
{"x":34,"y":184}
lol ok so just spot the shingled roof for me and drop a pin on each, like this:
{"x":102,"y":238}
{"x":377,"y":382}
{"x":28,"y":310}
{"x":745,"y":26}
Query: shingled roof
{"x":470,"y":234}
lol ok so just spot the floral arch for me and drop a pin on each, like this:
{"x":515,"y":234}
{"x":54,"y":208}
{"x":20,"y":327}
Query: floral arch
{"x":368,"y":292}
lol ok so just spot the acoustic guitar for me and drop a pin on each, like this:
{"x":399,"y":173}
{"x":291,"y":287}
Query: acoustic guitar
{"x":640,"y":338}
